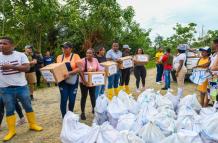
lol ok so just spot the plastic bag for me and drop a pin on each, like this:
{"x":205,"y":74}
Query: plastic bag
{"x":150,"y":133}
{"x":147,"y":98}
{"x":115,"y":109}
{"x":101,"y":110}
{"x":205,"y":112}
{"x":126,"y":122}
{"x":102,"y":134}
{"x":72,"y":130}
{"x":190,"y":101}
{"x":166,"y":124}
{"x":183,"y":136}
{"x":174,"y":99}
{"x":129,"y":101}
{"x":162,"y":101}
{"x":167,"y":112}
{"x":210,"y":127}
{"x":128,"y":137}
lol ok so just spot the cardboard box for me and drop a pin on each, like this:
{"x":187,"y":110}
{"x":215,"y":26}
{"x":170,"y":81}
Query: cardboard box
{"x":141,"y":59}
{"x":110,"y":67}
{"x":126,"y":62}
{"x":95,"y":78}
{"x":54,"y":72}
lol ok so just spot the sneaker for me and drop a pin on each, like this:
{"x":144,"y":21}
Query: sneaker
{"x":21,"y":122}
{"x":83,"y":116}
{"x":137,"y":90}
{"x":158,"y":82}
{"x":143,"y":88}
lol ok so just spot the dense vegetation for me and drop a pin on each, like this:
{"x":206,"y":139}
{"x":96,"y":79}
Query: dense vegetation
{"x":86,"y":23}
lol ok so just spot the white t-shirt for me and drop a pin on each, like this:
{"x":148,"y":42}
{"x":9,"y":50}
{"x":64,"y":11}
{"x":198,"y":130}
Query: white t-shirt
{"x":213,"y":60}
{"x":12,"y":77}
{"x":177,"y":59}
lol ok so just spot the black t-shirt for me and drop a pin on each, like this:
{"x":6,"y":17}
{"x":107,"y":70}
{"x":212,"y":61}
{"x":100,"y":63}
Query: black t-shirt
{"x":32,"y":67}
{"x":101,"y":59}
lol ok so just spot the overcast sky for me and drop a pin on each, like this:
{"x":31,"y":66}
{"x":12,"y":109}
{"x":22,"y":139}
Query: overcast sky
{"x":162,"y":15}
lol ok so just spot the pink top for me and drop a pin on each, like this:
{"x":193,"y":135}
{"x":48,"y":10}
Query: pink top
{"x":93,"y":66}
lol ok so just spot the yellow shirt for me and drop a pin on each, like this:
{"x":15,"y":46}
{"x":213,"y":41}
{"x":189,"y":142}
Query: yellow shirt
{"x":158,"y":56}
{"x":203,"y":61}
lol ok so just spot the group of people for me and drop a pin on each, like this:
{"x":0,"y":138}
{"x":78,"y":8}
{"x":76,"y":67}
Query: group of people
{"x":166,"y":63}
{"x":91,"y":63}
{"x":17,"y":68}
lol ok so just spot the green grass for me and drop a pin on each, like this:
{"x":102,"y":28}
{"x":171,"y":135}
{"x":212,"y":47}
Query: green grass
{"x":150,"y":64}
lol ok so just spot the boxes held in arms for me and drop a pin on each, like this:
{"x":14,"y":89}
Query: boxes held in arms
{"x":126,"y":62}
{"x":141,"y":59}
{"x":95,"y":78}
{"x":54,"y":72}
{"x":110,"y":67}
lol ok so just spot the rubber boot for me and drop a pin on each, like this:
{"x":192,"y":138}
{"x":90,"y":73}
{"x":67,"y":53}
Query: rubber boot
{"x":127,"y":89}
{"x":110,"y":93}
{"x":11,"y":122}
{"x":121,"y":88}
{"x":116,"y":91}
{"x":32,"y":122}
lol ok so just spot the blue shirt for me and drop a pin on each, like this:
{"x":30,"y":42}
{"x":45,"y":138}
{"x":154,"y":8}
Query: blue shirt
{"x":111,"y":54}
{"x":48,"y":60}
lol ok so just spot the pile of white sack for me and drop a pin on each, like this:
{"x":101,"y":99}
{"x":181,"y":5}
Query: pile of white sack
{"x":152,"y":118}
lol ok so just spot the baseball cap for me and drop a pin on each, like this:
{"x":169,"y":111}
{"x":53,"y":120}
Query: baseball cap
{"x":67,"y":45}
{"x":126,"y":47}
{"x":183,"y":47}
{"x":205,"y":49}
{"x":28,"y":46}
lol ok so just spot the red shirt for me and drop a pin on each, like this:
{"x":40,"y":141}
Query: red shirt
{"x":164,"y":60}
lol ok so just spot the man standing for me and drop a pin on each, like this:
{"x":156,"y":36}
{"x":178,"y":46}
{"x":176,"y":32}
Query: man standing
{"x":113,"y":81}
{"x":31,"y":74}
{"x":38,"y":66}
{"x":159,"y":65}
{"x":167,"y":61}
{"x":13,"y":84}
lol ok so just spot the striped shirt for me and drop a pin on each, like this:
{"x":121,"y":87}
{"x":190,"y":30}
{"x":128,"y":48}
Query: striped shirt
{"x":12,"y":77}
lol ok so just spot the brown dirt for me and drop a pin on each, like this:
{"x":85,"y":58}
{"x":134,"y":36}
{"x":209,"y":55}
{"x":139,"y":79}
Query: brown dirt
{"x":48,"y":114}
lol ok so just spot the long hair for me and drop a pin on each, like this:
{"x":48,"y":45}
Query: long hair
{"x":138,"y":50}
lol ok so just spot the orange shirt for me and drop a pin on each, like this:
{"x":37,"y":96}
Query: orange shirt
{"x":75,"y":59}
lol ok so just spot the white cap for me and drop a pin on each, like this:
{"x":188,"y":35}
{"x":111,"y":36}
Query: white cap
{"x":183,"y":47}
{"x":126,"y":47}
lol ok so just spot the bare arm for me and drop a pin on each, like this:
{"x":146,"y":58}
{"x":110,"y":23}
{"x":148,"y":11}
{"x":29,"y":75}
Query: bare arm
{"x":20,"y":68}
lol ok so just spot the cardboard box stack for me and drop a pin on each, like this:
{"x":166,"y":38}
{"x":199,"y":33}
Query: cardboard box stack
{"x":141,"y":59}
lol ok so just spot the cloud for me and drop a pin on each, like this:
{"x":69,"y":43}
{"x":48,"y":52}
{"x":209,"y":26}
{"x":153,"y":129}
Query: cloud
{"x":162,"y":15}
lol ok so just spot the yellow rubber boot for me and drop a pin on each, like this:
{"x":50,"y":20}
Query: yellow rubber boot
{"x":127,"y":89}
{"x":11,"y":122}
{"x":121,"y":88}
{"x":32,"y":122}
{"x":116,"y":91}
{"x":110,"y":93}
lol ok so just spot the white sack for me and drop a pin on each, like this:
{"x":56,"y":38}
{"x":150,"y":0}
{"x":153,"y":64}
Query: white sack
{"x":126,"y":122}
{"x":72,"y":130}
{"x":128,"y":137}
{"x":115,"y":109}
{"x":162,"y":101}
{"x":206,"y":112}
{"x":174,"y":99}
{"x":147,"y":98}
{"x":183,"y":136}
{"x":190,"y":101}
{"x":102,"y":134}
{"x":150,"y":133}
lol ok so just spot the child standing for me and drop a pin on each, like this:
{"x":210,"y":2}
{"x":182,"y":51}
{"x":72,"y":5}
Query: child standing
{"x":204,"y":63}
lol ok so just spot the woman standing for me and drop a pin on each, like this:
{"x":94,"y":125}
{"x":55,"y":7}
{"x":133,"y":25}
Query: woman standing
{"x":68,"y":88}
{"x":139,"y":71}
{"x":204,"y":63}
{"x":99,"y":90}
{"x":88,"y":64}
{"x":179,"y":67}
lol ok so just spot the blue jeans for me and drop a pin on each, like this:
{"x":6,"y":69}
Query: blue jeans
{"x":67,"y":91}
{"x":10,"y":96}
{"x":99,"y":90}
{"x":167,"y":78}
{"x":159,"y":72}
{"x":113,"y":80}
